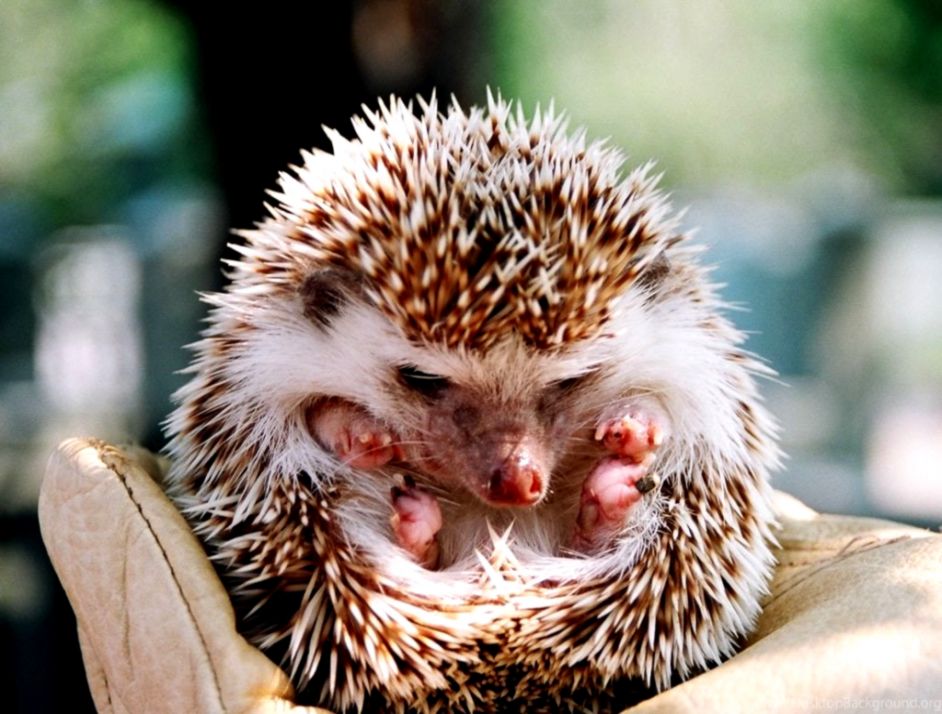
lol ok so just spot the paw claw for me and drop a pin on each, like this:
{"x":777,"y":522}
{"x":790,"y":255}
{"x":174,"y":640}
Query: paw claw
{"x":600,"y":431}
{"x":657,"y":436}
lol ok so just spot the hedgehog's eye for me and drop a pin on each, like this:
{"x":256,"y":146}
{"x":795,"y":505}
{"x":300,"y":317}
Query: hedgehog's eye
{"x":429,"y":385}
{"x":570,"y":383}
{"x":564,"y":385}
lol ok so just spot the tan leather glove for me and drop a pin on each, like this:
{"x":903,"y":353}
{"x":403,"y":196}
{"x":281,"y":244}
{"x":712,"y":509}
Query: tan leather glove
{"x":155,"y":624}
{"x":854,"y":623}
{"x":854,"y":620}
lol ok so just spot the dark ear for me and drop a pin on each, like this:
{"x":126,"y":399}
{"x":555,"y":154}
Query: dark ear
{"x":654,"y":275}
{"x":324,"y":292}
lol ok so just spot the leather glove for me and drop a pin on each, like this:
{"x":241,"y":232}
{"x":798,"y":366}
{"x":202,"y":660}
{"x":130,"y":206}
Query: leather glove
{"x":155,"y":624}
{"x":854,"y":620}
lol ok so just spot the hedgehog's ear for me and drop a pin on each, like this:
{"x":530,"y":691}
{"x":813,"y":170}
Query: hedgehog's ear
{"x":325,"y":291}
{"x":654,"y":274}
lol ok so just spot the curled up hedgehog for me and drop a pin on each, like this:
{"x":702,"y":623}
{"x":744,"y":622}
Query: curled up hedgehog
{"x":468,"y":429}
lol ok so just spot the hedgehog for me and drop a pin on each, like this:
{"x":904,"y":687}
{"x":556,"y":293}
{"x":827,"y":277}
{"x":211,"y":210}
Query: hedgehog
{"x":469,"y":430}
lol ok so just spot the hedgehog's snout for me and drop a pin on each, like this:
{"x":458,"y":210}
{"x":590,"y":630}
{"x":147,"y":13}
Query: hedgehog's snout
{"x":519,"y":479}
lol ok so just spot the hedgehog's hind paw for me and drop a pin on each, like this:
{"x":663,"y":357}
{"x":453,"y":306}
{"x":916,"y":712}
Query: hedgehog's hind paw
{"x":608,"y":494}
{"x":416,"y":521}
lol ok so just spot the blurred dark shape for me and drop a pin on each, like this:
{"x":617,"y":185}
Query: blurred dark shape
{"x":21,"y":226}
{"x":40,"y":662}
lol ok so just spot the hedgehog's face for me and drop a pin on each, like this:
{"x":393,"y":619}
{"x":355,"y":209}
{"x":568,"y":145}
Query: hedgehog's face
{"x":499,"y":442}
{"x":494,"y":423}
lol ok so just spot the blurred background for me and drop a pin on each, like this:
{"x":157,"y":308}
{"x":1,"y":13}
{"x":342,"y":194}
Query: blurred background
{"x":805,"y":138}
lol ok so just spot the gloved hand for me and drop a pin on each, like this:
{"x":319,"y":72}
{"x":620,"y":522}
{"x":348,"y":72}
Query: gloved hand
{"x":156,"y":627}
{"x":854,"y":620}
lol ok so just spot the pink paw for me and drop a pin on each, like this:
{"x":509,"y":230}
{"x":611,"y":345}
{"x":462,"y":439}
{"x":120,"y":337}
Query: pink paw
{"x":634,"y":434}
{"x":415,"y":522}
{"x":608,"y":493}
{"x":355,"y":437}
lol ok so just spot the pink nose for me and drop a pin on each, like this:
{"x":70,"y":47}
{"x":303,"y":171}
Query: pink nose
{"x":518,"y":481}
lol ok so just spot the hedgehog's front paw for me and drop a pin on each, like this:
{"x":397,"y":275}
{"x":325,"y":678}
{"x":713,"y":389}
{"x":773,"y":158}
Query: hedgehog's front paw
{"x":355,"y":437}
{"x":608,"y":494}
{"x":415,"y":522}
{"x":634,"y":432}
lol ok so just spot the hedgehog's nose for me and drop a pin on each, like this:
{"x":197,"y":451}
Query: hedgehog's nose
{"x":518,"y":481}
